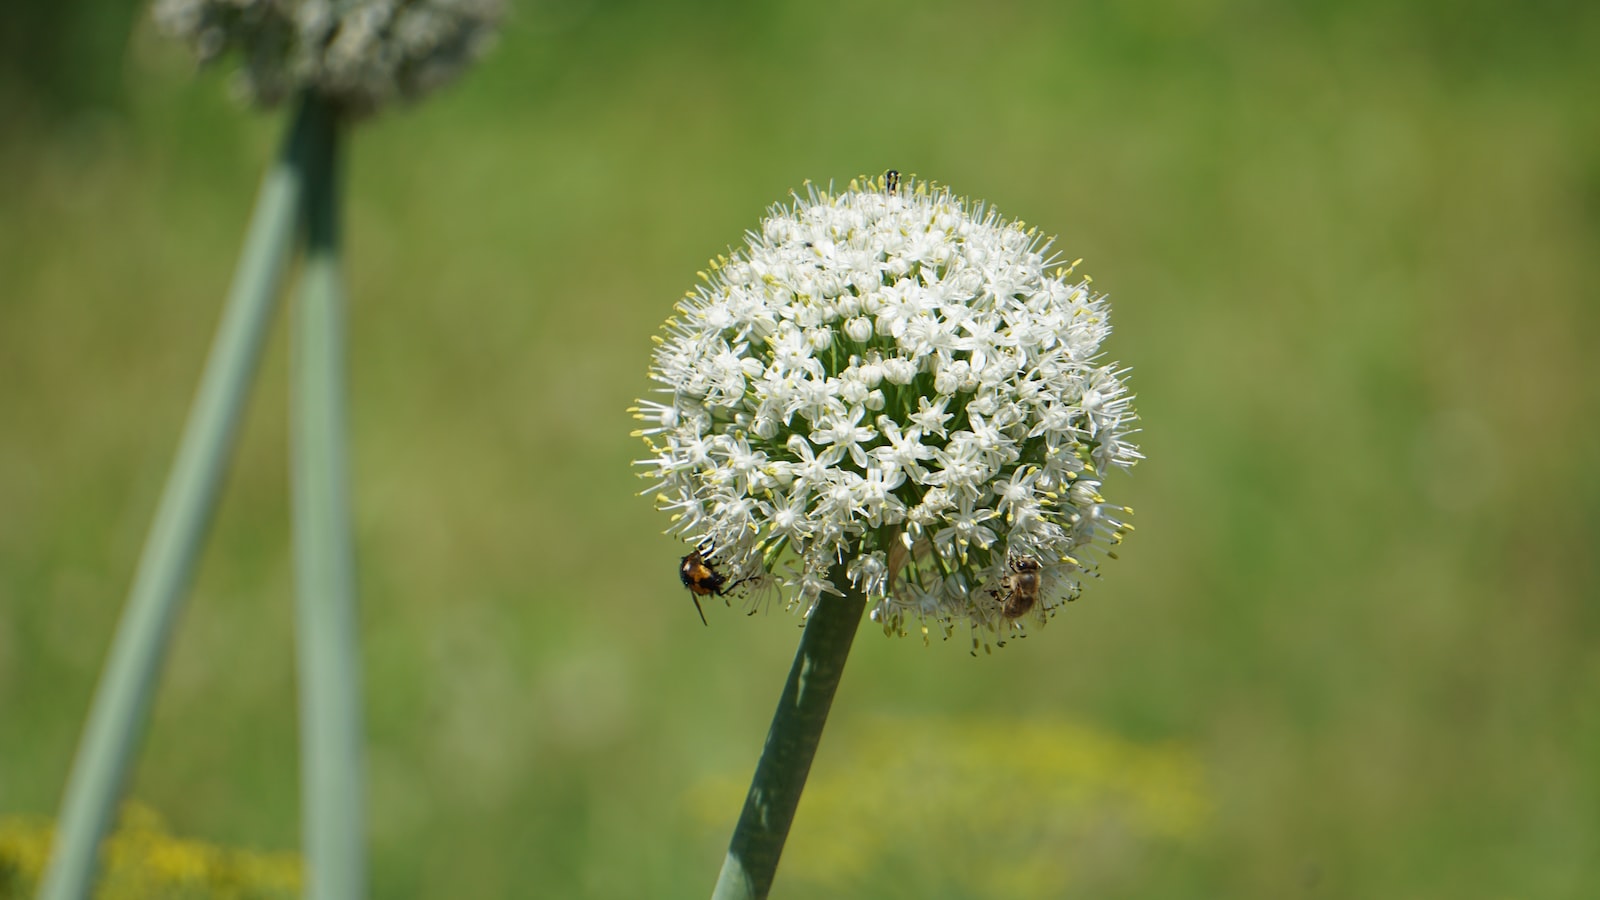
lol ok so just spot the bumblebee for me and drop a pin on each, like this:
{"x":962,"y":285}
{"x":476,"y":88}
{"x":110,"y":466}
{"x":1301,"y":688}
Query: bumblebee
{"x":891,"y":182}
{"x":703,"y":580}
{"x":1021,"y":588}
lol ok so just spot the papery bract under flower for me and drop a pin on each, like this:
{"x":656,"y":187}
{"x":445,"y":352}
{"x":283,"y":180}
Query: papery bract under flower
{"x":902,"y":381}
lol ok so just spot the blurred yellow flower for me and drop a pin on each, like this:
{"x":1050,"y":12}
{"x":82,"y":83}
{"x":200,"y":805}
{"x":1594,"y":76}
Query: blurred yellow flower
{"x":1005,"y":807}
{"x":143,"y":860}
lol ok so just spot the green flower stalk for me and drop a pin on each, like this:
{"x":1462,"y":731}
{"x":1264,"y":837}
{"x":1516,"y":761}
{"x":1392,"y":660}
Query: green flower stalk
{"x":780,"y":777}
{"x":332,"y":770}
{"x":343,"y":60}
{"x":889,"y":398}
{"x":166,"y":566}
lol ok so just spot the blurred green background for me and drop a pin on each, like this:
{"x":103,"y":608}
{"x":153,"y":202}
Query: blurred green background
{"x":1353,"y":649}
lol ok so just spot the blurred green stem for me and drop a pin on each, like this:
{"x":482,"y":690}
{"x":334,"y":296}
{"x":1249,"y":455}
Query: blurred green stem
{"x":791,"y":743}
{"x":166,"y":565}
{"x":332,"y":794}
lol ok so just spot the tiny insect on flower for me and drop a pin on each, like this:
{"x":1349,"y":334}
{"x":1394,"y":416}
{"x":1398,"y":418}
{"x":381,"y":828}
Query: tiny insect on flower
{"x":703,"y":580}
{"x":1021,"y":588}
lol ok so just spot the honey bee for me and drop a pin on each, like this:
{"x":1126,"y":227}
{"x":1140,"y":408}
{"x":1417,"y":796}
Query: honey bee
{"x":703,"y":580}
{"x":1021,"y":587}
{"x":891,"y":182}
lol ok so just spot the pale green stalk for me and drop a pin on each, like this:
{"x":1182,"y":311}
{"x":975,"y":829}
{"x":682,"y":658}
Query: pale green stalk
{"x":791,"y":743}
{"x":332,"y":780}
{"x":166,"y":565}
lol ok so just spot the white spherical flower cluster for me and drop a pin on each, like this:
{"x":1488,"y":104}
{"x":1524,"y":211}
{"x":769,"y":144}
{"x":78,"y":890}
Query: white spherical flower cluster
{"x":899,"y":380}
{"x":358,"y":53}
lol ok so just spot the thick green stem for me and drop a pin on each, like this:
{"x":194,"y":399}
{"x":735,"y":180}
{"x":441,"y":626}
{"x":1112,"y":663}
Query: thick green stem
{"x":791,"y":743}
{"x":166,"y":565}
{"x":332,"y":780}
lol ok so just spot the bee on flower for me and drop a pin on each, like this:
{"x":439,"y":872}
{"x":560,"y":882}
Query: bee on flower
{"x":699,"y":574}
{"x":899,"y":380}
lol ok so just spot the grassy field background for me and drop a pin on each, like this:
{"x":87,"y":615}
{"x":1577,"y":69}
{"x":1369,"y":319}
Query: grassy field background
{"x":1353,"y":649}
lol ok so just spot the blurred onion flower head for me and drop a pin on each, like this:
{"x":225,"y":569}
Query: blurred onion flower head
{"x":900,"y":380}
{"x":359,"y":53}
